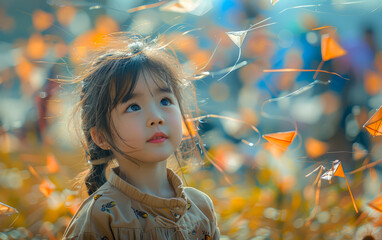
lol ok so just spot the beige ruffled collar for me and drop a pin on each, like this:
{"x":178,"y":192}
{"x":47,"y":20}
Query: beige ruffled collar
{"x":178,"y":202}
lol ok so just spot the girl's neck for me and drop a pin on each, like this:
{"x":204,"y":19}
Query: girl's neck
{"x":148,"y":178}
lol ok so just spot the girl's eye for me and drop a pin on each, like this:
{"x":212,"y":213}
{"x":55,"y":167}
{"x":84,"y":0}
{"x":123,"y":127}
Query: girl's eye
{"x":133,"y":108}
{"x":165,"y":102}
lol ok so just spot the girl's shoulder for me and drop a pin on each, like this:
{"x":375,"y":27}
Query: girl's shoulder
{"x":199,"y":198}
{"x":206,"y":207}
{"x":196,"y":193}
{"x":104,"y":198}
{"x":96,"y":213}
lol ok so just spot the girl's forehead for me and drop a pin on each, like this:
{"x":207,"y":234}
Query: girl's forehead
{"x":145,"y":82}
{"x":152,"y":82}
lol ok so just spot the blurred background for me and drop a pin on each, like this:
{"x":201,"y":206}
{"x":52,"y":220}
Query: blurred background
{"x":265,"y":190}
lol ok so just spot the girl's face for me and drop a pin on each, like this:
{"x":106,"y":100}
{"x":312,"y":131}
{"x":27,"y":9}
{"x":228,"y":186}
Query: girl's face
{"x":148,"y":127}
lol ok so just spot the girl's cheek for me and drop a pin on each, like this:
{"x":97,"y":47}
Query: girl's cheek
{"x":176,"y":121}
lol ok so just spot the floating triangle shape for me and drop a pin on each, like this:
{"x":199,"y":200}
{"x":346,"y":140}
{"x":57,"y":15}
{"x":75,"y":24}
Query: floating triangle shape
{"x":281,"y":139}
{"x":376,"y":204}
{"x":374,"y":124}
{"x":237,"y":37}
{"x":330,"y":48}
{"x":338,"y":170}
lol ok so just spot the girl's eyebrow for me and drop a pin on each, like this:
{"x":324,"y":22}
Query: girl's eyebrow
{"x":158,"y":90}
{"x":163,"y":90}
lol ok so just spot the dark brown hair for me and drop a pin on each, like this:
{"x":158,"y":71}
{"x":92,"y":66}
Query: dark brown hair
{"x":109,"y":78}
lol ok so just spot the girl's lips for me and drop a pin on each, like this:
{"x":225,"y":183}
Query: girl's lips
{"x":158,"y":137}
{"x":157,"y":140}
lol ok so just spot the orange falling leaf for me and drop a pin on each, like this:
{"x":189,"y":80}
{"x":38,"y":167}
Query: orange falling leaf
{"x":338,"y":171}
{"x":42,"y":20}
{"x":281,"y":139}
{"x":374,"y":124}
{"x":52,"y":164}
{"x":330,"y":48}
{"x":315,"y":148}
{"x":47,"y":187}
{"x":376,"y":204}
{"x":237,"y":37}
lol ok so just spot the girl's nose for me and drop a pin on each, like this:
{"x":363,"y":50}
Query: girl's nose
{"x":155,"y":119}
{"x":155,"y":122}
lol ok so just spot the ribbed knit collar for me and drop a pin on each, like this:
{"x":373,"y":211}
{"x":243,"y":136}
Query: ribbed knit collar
{"x":180,"y":201}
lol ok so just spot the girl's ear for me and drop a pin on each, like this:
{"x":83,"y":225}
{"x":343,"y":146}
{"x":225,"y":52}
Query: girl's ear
{"x":99,"y":139}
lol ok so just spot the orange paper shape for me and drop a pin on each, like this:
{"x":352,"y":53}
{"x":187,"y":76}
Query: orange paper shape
{"x":47,"y":187}
{"x":374,"y":124}
{"x":237,"y":37}
{"x":376,"y":204}
{"x":330,"y":48}
{"x":338,"y":171}
{"x":281,"y":139}
{"x":52,"y":164}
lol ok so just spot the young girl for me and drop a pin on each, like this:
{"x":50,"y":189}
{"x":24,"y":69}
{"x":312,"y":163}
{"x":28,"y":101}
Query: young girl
{"x":131,"y":111}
